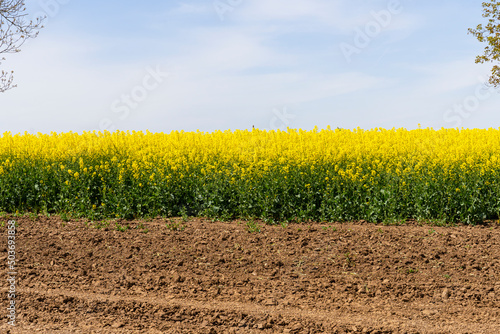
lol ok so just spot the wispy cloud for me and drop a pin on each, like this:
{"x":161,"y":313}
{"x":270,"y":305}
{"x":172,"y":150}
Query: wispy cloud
{"x":233,"y":73}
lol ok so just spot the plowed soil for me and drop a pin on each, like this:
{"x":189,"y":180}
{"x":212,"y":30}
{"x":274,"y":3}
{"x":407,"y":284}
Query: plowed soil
{"x":223,"y":277}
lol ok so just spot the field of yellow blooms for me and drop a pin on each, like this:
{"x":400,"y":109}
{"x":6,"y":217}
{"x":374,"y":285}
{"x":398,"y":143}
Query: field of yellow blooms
{"x":294,"y":175}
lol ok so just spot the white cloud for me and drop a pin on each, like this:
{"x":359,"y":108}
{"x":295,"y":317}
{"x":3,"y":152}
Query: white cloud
{"x":58,"y":89}
{"x":189,"y":9}
{"x":447,"y":77}
{"x":232,"y":74}
{"x":288,"y":9}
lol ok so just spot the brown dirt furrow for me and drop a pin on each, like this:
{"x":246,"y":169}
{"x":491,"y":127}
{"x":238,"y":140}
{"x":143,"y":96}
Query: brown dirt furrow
{"x":166,"y":313}
{"x":199,"y":276}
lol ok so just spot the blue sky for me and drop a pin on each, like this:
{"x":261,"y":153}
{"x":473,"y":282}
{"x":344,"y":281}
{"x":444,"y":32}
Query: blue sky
{"x":230,"y":64}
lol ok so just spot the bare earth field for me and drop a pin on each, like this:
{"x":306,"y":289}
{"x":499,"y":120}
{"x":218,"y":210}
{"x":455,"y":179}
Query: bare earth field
{"x":217,"y":277}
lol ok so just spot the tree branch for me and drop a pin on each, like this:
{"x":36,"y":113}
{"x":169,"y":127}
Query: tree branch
{"x":14,"y":31}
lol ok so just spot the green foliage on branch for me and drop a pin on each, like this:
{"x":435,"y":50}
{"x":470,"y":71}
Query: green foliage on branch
{"x":490,"y":34}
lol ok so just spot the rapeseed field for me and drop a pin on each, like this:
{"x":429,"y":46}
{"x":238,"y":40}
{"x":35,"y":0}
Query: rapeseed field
{"x":294,"y":175}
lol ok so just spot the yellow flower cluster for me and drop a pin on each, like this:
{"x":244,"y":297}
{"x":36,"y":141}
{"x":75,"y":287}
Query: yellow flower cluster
{"x":99,"y":166}
{"x":250,"y":148}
